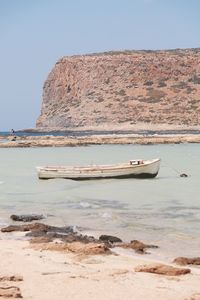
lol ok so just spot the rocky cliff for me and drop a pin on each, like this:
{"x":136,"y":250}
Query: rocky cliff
{"x":123,"y":88}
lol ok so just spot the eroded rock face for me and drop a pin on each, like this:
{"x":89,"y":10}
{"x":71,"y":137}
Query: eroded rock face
{"x":115,"y":88}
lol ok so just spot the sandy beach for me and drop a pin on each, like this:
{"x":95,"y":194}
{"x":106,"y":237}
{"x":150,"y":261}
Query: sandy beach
{"x":47,"y":275}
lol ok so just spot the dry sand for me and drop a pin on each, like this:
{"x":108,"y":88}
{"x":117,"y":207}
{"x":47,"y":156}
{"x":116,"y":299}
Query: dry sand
{"x":50,"y":275}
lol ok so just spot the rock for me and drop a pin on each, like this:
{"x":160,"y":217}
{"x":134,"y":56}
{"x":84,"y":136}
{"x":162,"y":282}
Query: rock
{"x":187,"y":261}
{"x":76,"y":248}
{"x":64,"y":229}
{"x":110,"y":238}
{"x":71,"y":237}
{"x":11,"y":228}
{"x":28,"y":227}
{"x":38,"y":236}
{"x":183,"y":175}
{"x":138,"y":246}
{"x":11,"y":278}
{"x":10,"y":292}
{"x":41,"y":239}
{"x":89,"y":249}
{"x":162,"y":270}
{"x":42,"y":233}
{"x":36,"y":233}
{"x":37,"y":227}
{"x":26,"y":218}
{"x":120,"y":88}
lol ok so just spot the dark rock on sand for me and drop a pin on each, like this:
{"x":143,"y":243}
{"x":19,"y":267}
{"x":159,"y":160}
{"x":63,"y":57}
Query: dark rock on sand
{"x":36,"y":233}
{"x":110,"y":238}
{"x":37,"y":227}
{"x":50,"y":232}
{"x":64,"y":229}
{"x":46,"y":233}
{"x":27,"y":227}
{"x":26,"y":218}
{"x":187,"y":261}
{"x":41,"y":240}
{"x":10,"y":292}
{"x":67,"y":238}
{"x":11,"y":278}
{"x":42,"y":233}
{"x":43,"y":236}
{"x":11,"y":228}
{"x":162,"y":269}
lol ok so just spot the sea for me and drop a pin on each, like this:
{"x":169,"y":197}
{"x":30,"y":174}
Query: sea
{"x":164,"y":211}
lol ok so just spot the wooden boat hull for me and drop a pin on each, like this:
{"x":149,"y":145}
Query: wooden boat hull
{"x":133,"y":169}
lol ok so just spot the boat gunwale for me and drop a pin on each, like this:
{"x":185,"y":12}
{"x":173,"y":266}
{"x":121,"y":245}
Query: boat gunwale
{"x":90,"y":167}
{"x":98,"y":167}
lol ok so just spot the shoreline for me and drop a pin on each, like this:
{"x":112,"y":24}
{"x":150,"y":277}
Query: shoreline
{"x":111,"y":139}
{"x":51,"y":274}
{"x":140,"y":126}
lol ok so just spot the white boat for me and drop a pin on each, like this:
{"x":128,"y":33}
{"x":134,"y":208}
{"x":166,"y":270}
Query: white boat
{"x":132,"y":169}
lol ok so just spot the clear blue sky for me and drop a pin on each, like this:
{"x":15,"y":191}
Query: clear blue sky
{"x":34,"y":34}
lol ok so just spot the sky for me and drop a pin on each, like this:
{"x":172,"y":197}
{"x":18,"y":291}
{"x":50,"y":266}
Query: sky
{"x":34,"y":34}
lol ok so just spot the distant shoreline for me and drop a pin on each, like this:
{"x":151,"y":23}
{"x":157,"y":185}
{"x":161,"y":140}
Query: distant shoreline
{"x":93,"y":138}
{"x":152,"y":129}
{"x":110,"y":129}
{"x":143,"y":134}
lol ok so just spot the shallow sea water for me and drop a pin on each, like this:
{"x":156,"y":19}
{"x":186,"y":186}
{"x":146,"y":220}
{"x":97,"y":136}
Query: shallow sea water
{"x":164,"y":211}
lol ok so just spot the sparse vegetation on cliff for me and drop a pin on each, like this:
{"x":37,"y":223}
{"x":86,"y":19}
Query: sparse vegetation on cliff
{"x":123,"y":87}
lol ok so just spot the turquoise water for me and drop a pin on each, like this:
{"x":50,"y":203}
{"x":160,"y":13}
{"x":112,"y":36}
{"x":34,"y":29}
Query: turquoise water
{"x":164,"y":210}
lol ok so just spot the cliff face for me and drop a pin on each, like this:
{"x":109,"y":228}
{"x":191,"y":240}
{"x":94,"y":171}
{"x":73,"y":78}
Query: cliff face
{"x":123,"y":88}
